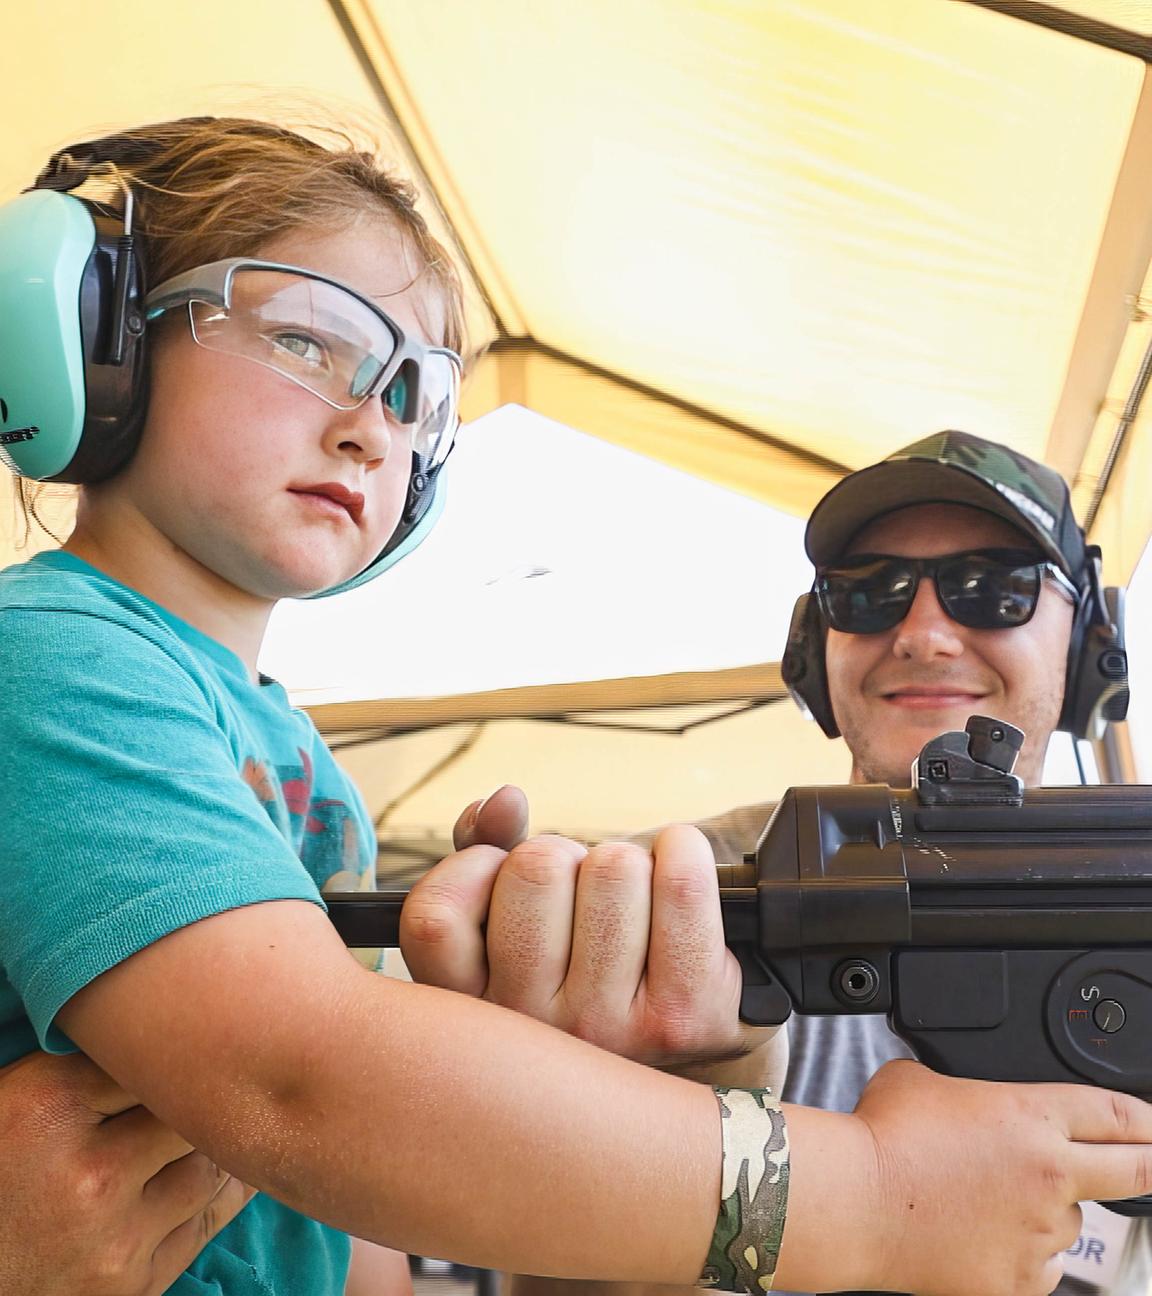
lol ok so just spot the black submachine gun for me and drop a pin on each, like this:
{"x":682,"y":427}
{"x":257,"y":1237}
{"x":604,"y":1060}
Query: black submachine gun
{"x":1007,"y":933}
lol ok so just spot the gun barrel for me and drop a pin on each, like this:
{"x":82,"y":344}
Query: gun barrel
{"x":367,"y":919}
{"x":371,"y":919}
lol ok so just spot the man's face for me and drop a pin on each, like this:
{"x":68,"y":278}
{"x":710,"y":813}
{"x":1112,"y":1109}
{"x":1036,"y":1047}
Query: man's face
{"x":892,"y":692}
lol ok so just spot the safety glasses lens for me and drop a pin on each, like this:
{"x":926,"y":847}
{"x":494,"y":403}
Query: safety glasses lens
{"x":313,"y":333}
{"x":437,"y":410}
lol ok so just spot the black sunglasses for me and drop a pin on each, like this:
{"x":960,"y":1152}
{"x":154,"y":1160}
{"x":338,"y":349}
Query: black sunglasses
{"x":983,"y":589}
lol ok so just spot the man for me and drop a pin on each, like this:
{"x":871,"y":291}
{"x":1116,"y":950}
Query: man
{"x":952,"y":579}
{"x":877,"y":652}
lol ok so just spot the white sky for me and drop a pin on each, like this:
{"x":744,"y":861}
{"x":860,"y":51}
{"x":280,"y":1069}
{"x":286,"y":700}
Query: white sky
{"x":559,"y":557}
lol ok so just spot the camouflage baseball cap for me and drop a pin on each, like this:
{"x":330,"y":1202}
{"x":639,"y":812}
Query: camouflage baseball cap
{"x":952,"y":468}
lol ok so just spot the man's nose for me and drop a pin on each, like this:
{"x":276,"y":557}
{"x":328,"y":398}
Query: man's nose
{"x":927,"y":631}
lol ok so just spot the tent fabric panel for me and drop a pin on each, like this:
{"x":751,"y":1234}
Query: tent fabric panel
{"x":760,"y":683}
{"x":591,"y":783}
{"x":130,"y":61}
{"x":659,"y":429}
{"x":873,"y":262}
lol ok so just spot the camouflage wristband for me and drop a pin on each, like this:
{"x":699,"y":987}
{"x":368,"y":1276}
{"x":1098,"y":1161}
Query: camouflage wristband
{"x":753,"y":1193}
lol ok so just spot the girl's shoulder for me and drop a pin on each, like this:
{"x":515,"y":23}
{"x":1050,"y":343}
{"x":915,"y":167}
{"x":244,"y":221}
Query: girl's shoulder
{"x":61,"y":618}
{"x":58,"y":582}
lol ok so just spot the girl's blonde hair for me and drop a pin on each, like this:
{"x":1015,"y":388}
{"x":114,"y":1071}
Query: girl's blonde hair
{"x":206,"y":188}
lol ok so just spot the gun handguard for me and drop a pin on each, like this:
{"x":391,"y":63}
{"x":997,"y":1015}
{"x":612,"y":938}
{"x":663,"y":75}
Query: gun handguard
{"x":1006,"y":933}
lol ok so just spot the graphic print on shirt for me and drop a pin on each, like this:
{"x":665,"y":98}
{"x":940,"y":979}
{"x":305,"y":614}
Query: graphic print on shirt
{"x":323,"y":830}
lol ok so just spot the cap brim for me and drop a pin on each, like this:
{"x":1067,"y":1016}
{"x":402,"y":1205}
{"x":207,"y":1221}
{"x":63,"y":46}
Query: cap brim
{"x":883,"y":488}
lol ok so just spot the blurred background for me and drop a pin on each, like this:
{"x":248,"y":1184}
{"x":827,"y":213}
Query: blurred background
{"x":718,"y":254}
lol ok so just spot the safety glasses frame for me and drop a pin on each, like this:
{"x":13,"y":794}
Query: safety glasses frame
{"x":211,"y":284}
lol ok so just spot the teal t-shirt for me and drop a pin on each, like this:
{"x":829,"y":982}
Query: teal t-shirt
{"x":147,"y":784}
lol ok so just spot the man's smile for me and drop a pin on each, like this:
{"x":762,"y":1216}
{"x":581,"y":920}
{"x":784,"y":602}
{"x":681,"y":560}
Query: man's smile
{"x":931,"y":697}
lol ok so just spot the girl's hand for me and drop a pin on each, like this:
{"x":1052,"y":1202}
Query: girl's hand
{"x":614,"y":944}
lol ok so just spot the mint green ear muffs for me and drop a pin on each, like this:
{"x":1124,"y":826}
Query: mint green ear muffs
{"x":72,"y":377}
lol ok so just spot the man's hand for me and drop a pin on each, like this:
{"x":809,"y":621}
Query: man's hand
{"x":616,"y":945}
{"x":99,"y":1197}
{"x":972,"y":1186}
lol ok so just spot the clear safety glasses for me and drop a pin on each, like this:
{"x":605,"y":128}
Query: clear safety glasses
{"x":984,"y":589}
{"x":323,"y":336}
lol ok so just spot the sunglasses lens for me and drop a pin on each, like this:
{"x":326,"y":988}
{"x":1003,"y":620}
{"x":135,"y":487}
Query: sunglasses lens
{"x":313,"y":333}
{"x":985,"y":593}
{"x":867,"y":597}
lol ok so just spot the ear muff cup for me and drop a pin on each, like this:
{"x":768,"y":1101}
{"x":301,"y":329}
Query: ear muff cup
{"x":70,"y":414}
{"x":1096,"y":688}
{"x":803,"y":666}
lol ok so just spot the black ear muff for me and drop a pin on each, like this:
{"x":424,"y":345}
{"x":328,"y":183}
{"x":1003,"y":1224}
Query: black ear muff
{"x":112,"y":294}
{"x":803,"y":667}
{"x":1096,"y":685}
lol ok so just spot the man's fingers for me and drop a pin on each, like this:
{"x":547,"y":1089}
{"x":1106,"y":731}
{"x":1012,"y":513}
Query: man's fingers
{"x":609,"y":935}
{"x":184,"y":1188}
{"x":442,"y":922}
{"x":185,"y":1242}
{"x":1111,"y":1171}
{"x":1100,"y":1115}
{"x":530,"y":926}
{"x":499,"y":820}
{"x":143,"y":1144}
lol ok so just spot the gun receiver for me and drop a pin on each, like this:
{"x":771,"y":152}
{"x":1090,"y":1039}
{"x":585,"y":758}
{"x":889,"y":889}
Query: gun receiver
{"x":1006,"y":933}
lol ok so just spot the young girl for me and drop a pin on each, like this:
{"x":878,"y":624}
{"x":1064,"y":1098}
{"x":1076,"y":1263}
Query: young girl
{"x":265,"y":415}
